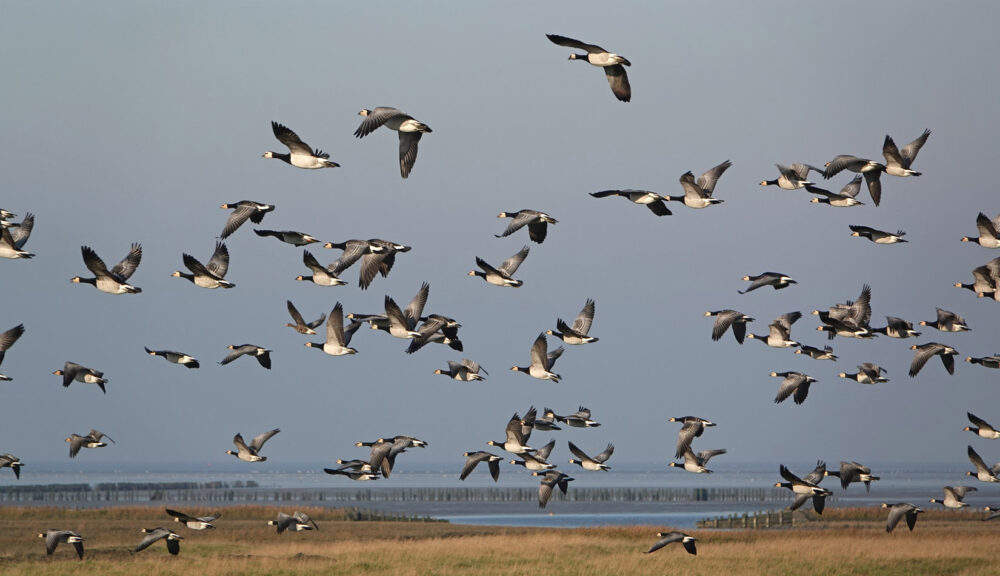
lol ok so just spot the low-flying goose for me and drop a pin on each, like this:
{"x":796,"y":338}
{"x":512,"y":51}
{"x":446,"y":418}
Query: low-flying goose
{"x":300,"y":154}
{"x":983,"y":472}
{"x":989,"y":232}
{"x":987,"y":361}
{"x":537,"y":223}
{"x":410,"y":130}
{"x":175,"y":357}
{"x":321,"y":275}
{"x":464,"y":371}
{"x":515,"y":441}
{"x":13,"y":462}
{"x":362,"y":473}
{"x":550,"y":480}
{"x":114,"y":281}
{"x":243,"y":210}
{"x":7,"y":340}
{"x":578,"y":333}
{"x":287,"y":236}
{"x":953,"y":496}
{"x":537,"y":461}
{"x":11,"y":243}
{"x":803,"y":487}
{"x":924,"y":353}
{"x":871,"y":170}
{"x":597,"y":56}
{"x":981,"y":427}
{"x":692,"y":427}
{"x":504,"y":275}
{"x":578,"y":419}
{"x":172,"y":539}
{"x":670,"y":537}
{"x":795,"y":383}
{"x":868,"y":373}
{"x":650,"y":200}
{"x":846,"y":198}
{"x":899,"y":511}
{"x":592,"y":463}
{"x":773,"y":279}
{"x":779,"y":331}
{"x":877,"y":236}
{"x":851,"y":472}
{"x":695,"y":462}
{"x":297,"y":522}
{"x":947,"y":322}
{"x":474,"y":458}
{"x":338,"y":338}
{"x":817,"y":354}
{"x":251,"y":452}
{"x":210,"y":276}
{"x":54,"y":537}
{"x":897,"y":162}
{"x":91,"y":440}
{"x":698,"y":194}
{"x":896,"y":328}
{"x":542,"y":361}
{"x":792,"y":177}
{"x":724,"y":319}
{"x":193,"y":522}
{"x":72,"y":371}
{"x":300,"y":325}
{"x":263,"y":355}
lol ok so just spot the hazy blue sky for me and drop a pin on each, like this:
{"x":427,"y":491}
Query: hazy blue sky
{"x":133,"y":121}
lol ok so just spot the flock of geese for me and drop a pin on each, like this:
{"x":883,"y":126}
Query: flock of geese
{"x":850,"y":319}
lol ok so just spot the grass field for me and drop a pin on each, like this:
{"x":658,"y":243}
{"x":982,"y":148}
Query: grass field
{"x":846,"y":542}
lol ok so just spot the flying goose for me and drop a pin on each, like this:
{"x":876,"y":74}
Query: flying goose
{"x":474,"y":458}
{"x":773,"y":279}
{"x":779,"y":335}
{"x":692,"y":427}
{"x":7,"y":340}
{"x":803,"y":487}
{"x":515,"y":441}
{"x":13,"y":462}
{"x":300,"y":154}
{"x":899,"y":511}
{"x":846,"y":198}
{"x":597,"y":56}
{"x":989,"y":232}
{"x":674,"y":536}
{"x":156,"y":534}
{"x":297,"y":522}
{"x":537,"y":223}
{"x":115,"y":280}
{"x":464,"y":371}
{"x":11,"y":243}
{"x":695,"y":462}
{"x":321,"y":275}
{"x":578,"y":333}
{"x":243,"y":210}
{"x":263,"y":355}
{"x":650,"y":200}
{"x":502,"y":276}
{"x":871,"y":170}
{"x":855,"y":314}
{"x":816,"y":354}
{"x":546,"y":421}
{"x":897,"y":162}
{"x":983,"y":282}
{"x":354,"y":249}
{"x":987,"y":361}
{"x":853,"y":472}
{"x":551,"y":479}
{"x":287,"y":236}
{"x":542,"y":361}
{"x":403,"y":323}
{"x":792,"y":177}
{"x":54,"y":537}
{"x":410,"y":130}
{"x":868,"y":373}
{"x":210,"y":276}
{"x":982,"y":428}
{"x":437,"y":329}
{"x":947,"y":322}
{"x":72,"y":371}
{"x":251,"y":452}
{"x":994,"y":512}
{"x":193,"y":522}
{"x":877,"y":236}
{"x":91,"y":440}
{"x":578,"y":419}
{"x":953,"y":496}
{"x":397,"y":324}
{"x":896,"y":328}
{"x":537,"y":461}
{"x":925,"y":351}
{"x":378,"y":262}
{"x":361,"y":474}
{"x":698,"y":194}
{"x":338,"y":338}
{"x":175,"y":357}
{"x":300,"y":325}
{"x":724,"y":319}
{"x":983,"y":472}
{"x":592,"y":463}
{"x":795,"y":383}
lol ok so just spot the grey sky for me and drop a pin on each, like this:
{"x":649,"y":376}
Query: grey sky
{"x":132,"y":122}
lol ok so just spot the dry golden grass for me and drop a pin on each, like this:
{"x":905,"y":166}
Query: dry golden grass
{"x":845,"y":542}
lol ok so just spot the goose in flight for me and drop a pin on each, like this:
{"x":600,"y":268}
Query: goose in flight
{"x":300,"y":154}
{"x":410,"y":130}
{"x":597,"y":56}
